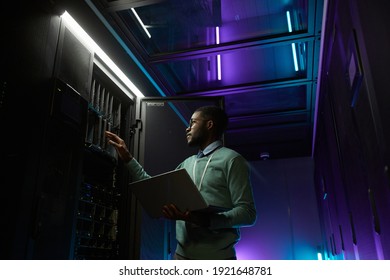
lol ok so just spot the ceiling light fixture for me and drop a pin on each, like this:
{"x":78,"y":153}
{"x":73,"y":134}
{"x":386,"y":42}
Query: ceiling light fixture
{"x":90,"y":44}
{"x":140,"y":22}
{"x":293,"y":46}
{"x":219,"y":74}
{"x":264,"y":155}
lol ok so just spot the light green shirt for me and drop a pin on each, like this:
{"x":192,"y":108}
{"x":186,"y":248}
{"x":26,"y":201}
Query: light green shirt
{"x":223,"y":178}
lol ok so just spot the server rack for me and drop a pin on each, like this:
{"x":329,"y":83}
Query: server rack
{"x":101,"y":195}
{"x":65,"y":189}
{"x":101,"y":191}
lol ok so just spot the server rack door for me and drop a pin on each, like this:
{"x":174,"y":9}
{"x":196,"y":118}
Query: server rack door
{"x":161,"y":146}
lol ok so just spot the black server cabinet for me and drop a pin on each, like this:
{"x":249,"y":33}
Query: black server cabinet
{"x":52,"y":231}
{"x":102,"y":188}
{"x":63,"y":190}
{"x":95,"y":228}
{"x":81,"y":190}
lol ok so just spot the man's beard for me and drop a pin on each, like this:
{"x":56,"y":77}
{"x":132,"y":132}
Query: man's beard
{"x":195,"y":141}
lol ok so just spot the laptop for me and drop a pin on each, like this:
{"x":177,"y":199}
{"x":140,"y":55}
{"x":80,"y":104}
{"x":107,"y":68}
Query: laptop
{"x":174,"y":187}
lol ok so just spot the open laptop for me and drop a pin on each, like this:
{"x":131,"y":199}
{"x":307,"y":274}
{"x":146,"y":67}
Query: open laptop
{"x":174,"y":187}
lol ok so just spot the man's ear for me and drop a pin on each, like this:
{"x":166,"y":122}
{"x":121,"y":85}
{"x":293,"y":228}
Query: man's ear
{"x":210,"y":124}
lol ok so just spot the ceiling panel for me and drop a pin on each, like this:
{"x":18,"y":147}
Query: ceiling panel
{"x":261,"y":55}
{"x":248,"y":65}
{"x":176,"y":25}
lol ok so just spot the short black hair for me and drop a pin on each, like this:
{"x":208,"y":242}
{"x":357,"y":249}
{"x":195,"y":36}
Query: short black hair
{"x":217,"y":115}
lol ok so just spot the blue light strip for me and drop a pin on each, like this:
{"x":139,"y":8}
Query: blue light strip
{"x":289,"y":21}
{"x":294,"y":51}
{"x":293,"y":45}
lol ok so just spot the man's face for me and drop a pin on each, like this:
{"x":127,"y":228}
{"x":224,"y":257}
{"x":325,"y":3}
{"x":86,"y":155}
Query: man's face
{"x":196,"y":131}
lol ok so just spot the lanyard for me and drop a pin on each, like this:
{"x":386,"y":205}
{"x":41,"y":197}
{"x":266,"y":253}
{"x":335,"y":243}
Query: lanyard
{"x":204,"y":171}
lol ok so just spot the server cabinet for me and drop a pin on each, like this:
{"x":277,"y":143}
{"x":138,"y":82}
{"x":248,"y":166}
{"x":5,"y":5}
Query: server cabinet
{"x":46,"y":113}
{"x":81,"y":192}
{"x":102,"y":197}
{"x":60,"y":170}
{"x":95,"y":228}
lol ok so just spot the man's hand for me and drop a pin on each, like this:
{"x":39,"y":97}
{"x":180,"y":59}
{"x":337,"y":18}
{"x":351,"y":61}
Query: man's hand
{"x":171,"y":212}
{"x":119,"y":145}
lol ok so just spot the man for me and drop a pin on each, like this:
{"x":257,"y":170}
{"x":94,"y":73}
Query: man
{"x":223,"y":178}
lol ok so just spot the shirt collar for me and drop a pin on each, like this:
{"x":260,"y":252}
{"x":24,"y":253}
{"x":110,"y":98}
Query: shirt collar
{"x":212,"y":147}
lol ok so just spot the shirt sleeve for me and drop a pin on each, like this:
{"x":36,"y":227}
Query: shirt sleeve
{"x":136,"y":170}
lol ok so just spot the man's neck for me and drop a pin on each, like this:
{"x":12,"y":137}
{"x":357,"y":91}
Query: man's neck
{"x":206,"y":143}
{"x":202,"y":148}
